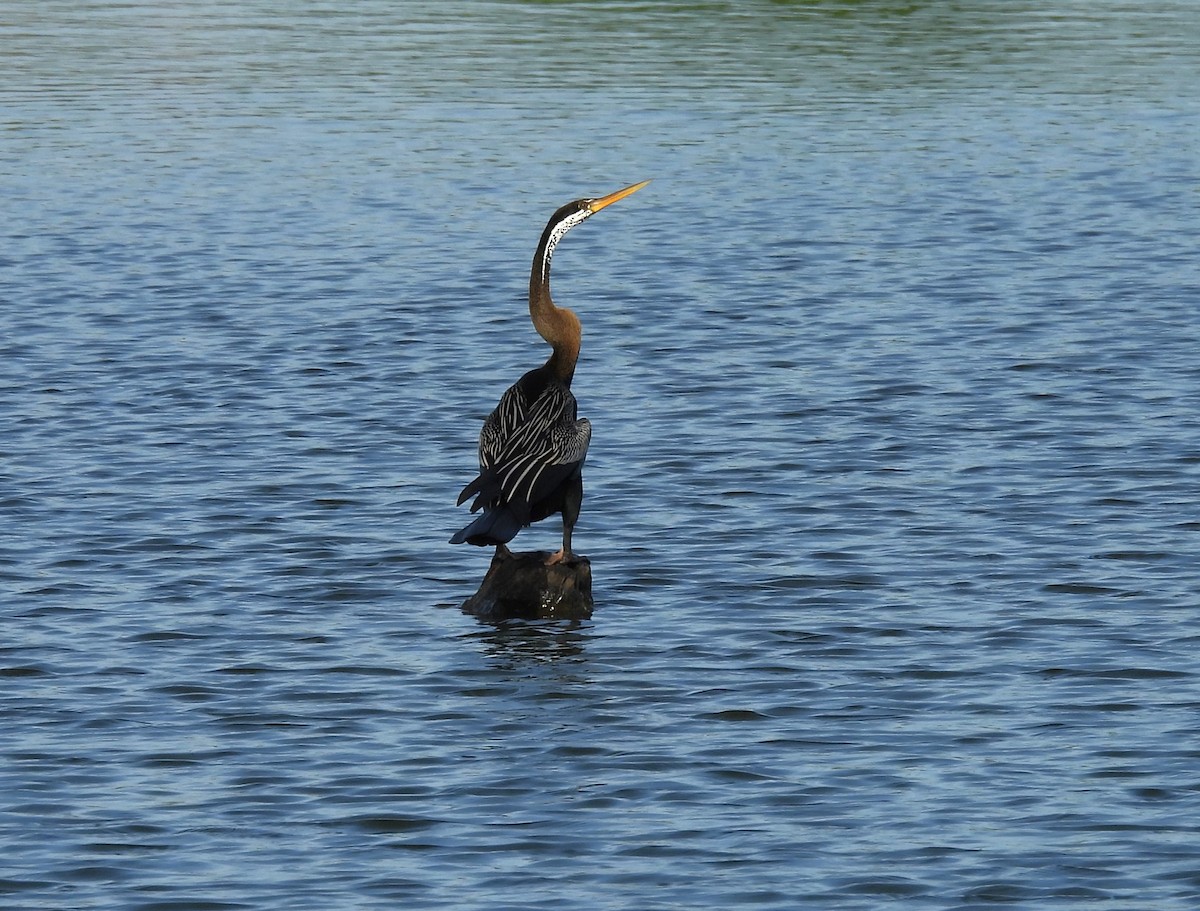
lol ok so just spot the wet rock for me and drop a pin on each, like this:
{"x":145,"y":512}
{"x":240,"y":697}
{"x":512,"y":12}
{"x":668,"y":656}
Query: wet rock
{"x":520,"y":586}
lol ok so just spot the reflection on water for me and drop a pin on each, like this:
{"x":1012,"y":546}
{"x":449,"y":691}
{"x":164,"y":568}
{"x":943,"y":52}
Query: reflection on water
{"x":889,"y":505}
{"x":512,"y":645}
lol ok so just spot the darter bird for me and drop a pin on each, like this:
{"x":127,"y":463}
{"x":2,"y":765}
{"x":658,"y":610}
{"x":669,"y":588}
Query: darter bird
{"x":533,"y":445}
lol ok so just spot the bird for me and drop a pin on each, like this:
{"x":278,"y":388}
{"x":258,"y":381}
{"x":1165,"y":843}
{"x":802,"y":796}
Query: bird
{"x":533,"y":445}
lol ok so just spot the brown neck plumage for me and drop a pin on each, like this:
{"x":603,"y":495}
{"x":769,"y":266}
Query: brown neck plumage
{"x":557,"y":325}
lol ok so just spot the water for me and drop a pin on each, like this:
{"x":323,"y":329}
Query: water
{"x":891,"y":500}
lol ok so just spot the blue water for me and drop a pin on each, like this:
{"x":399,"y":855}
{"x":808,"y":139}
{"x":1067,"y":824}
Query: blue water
{"x":891,"y":501}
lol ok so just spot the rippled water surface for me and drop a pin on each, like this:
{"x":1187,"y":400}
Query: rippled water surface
{"x":892,"y":500}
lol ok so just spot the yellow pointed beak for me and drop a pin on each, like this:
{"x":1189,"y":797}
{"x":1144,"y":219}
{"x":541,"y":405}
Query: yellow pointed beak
{"x":597,"y":204}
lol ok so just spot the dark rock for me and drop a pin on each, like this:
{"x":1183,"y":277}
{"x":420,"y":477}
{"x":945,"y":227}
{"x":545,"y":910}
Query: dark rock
{"x":522,"y":587}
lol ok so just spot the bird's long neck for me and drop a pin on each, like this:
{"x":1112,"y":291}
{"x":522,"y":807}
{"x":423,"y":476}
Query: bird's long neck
{"x":557,"y":325}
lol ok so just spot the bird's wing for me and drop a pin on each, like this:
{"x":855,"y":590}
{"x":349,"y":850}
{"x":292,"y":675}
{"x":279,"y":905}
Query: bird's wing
{"x":498,"y":428}
{"x":527,"y":429}
{"x":526,"y":450}
{"x":501,"y":425}
{"x":531,"y":476}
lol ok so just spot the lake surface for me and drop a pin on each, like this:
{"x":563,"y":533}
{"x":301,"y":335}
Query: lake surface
{"x":892,"y":501}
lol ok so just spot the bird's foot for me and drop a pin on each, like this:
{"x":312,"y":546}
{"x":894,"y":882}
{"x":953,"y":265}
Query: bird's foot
{"x":503,"y":552}
{"x":562,"y":556}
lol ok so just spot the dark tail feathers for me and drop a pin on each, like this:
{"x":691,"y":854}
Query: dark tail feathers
{"x":470,"y":490}
{"x":496,"y":526}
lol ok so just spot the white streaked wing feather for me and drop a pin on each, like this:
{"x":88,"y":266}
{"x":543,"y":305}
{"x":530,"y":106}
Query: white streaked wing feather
{"x":499,"y":427}
{"x":566,"y":445}
{"x":528,"y":444}
{"x":571,"y":441}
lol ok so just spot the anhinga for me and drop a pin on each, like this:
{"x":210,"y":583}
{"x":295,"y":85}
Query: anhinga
{"x":532,"y":447}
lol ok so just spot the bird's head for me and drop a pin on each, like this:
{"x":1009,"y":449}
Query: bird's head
{"x":574,"y":212}
{"x":568,"y":217}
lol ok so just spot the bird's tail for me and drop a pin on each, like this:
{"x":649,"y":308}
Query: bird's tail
{"x":471,"y":489}
{"x":487,"y":488}
{"x":495,"y":526}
